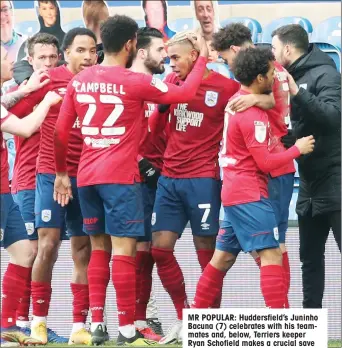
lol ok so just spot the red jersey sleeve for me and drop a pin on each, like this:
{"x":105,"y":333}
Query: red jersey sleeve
{"x":254,"y":128}
{"x":159,"y":92}
{"x":158,"y":120}
{"x":66,"y":119}
{"x":26,"y":105}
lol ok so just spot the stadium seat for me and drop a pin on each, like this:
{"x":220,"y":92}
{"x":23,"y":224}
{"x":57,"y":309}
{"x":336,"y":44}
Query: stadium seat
{"x":221,"y":68}
{"x":250,"y":23}
{"x":181,"y":24}
{"x":73,"y":24}
{"x":266,"y":36}
{"x":327,"y":36}
{"x":27,"y":28}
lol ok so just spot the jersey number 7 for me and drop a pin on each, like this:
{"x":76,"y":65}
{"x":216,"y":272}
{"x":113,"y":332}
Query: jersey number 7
{"x":108,"y":125}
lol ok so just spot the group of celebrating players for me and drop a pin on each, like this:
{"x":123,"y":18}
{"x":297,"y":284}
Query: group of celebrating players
{"x":118,"y":161}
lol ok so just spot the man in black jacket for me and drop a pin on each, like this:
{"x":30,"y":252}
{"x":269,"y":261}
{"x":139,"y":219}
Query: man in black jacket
{"x":315,"y":110}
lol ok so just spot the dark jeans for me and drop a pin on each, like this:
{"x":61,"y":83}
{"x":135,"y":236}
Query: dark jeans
{"x":313,"y":234}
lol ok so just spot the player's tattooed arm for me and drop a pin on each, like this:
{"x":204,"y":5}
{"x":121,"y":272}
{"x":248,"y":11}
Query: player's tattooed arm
{"x":38,"y":79}
{"x":10,"y":99}
{"x":244,"y":102}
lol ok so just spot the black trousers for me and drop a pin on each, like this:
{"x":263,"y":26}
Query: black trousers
{"x":313,"y":234}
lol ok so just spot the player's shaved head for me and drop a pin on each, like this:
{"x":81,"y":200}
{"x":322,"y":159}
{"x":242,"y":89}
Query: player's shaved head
{"x":181,"y":38}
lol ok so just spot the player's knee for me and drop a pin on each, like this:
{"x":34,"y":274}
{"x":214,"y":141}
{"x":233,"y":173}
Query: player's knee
{"x":144,"y":246}
{"x":21,"y":253}
{"x":223,"y":260}
{"x":271,"y":256}
{"x":164,"y":239}
{"x":48,"y":246}
{"x":80,"y":251}
{"x":101,"y":242}
{"x":206,"y":242}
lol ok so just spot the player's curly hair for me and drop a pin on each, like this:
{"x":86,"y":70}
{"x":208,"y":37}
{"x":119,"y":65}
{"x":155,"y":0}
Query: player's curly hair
{"x":251,"y":62}
{"x":235,"y":34}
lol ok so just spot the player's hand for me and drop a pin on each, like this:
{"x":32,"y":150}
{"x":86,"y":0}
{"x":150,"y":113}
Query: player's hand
{"x":35,"y":81}
{"x":293,"y":88}
{"x":289,"y":139}
{"x":149,"y":172}
{"x":199,"y":44}
{"x":242,"y":103}
{"x":306,"y":144}
{"x":52,"y":98}
{"x":62,"y":191}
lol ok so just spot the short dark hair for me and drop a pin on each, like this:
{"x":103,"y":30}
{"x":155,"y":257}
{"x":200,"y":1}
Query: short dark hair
{"x":293,"y":34}
{"x":43,"y":39}
{"x":116,"y":31}
{"x":71,"y":34}
{"x":145,"y":36}
{"x":53,"y":2}
{"x":234,"y":34}
{"x":251,"y":62}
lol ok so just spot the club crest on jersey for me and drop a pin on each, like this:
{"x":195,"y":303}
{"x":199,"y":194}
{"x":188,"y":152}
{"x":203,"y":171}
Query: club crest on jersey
{"x":211,"y":98}
{"x":276,"y":233}
{"x":260,"y":131}
{"x":46,"y":215}
{"x":153,"y":219}
{"x":29,"y":228}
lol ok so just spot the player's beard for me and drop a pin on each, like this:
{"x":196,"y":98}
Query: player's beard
{"x":130,"y":58}
{"x":155,"y":67}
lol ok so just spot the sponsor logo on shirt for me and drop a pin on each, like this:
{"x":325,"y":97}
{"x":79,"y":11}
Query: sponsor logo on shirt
{"x":1,"y":234}
{"x":150,"y":110}
{"x":211,"y":98}
{"x":100,"y":143}
{"x":187,"y":117}
{"x":46,"y":215}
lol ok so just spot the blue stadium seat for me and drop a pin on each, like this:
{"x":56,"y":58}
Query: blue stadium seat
{"x":327,"y":36}
{"x":181,"y":24}
{"x":28,"y":28}
{"x":73,"y":24}
{"x":266,"y":36}
{"x":221,"y":68}
{"x":250,"y":23}
{"x":328,"y":31}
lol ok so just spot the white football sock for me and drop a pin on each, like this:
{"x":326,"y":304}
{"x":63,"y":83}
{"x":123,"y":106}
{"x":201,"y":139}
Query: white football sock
{"x":127,"y":331}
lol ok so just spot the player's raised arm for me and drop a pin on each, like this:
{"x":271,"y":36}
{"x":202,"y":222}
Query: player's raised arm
{"x":26,"y":126}
{"x":160,"y":92}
